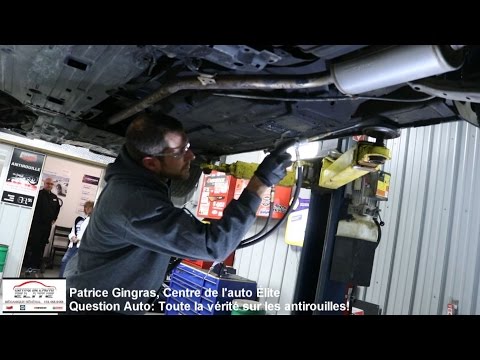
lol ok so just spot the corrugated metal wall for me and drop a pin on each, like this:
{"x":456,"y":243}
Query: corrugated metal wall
{"x":429,"y":252}
{"x":272,"y":264}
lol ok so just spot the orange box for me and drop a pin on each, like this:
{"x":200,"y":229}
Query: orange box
{"x":281,"y":199}
{"x":218,"y":189}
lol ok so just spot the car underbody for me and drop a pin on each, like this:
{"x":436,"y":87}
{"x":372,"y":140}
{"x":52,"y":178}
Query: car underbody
{"x":233,"y":98}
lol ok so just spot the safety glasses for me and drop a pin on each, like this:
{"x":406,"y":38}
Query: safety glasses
{"x":182,"y":150}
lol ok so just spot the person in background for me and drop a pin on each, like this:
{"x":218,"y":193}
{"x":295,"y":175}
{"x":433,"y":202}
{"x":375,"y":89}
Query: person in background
{"x":45,"y":215}
{"x":76,"y":234}
{"x":135,"y":228}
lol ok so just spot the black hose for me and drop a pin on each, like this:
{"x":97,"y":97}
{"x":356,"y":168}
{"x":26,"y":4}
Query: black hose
{"x":264,"y":228}
{"x":256,"y":239}
{"x":379,"y":227}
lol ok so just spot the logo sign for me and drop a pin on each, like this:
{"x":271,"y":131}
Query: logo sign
{"x":34,"y":295}
{"x":23,"y":177}
{"x":28,"y":156}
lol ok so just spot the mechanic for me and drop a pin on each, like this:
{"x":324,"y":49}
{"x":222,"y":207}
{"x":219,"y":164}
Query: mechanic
{"x":135,"y":229}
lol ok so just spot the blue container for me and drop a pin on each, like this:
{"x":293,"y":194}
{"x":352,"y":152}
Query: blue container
{"x":196,"y":292}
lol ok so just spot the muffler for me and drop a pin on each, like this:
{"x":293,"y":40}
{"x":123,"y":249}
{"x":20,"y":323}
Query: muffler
{"x":394,"y":65}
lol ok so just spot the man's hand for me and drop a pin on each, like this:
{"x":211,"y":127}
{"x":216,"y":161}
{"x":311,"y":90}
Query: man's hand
{"x":74,"y":239}
{"x":273,"y":168}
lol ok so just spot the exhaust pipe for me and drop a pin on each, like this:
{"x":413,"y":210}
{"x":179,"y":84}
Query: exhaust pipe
{"x":390,"y":66}
{"x":395,"y":65}
{"x":225,"y":82}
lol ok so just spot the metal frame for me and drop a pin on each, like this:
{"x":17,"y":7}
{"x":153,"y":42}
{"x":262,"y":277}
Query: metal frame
{"x":313,"y":281}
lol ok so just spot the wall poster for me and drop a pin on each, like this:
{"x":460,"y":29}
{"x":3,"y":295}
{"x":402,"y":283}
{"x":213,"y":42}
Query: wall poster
{"x":21,"y":185}
{"x":89,"y":191}
{"x":60,"y":181}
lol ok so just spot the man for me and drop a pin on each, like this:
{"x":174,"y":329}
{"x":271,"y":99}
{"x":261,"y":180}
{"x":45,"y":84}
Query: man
{"x":45,"y":215}
{"x":135,"y":229}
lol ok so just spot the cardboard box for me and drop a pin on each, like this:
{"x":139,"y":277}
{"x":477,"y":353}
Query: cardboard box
{"x":280,"y":203}
{"x":218,"y":189}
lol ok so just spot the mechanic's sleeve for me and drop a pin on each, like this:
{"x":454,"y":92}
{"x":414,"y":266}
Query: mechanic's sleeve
{"x":174,"y":232}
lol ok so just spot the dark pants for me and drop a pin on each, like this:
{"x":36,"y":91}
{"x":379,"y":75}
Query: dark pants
{"x":37,"y":240}
{"x":34,"y":255}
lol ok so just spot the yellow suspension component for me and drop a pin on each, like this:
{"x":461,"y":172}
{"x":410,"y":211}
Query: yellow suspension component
{"x":244,"y":170}
{"x":361,"y":159}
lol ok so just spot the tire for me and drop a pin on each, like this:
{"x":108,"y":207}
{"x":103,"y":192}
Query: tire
{"x":181,"y":188}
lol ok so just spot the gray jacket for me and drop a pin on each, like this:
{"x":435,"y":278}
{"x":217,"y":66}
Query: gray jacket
{"x":135,"y":230}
